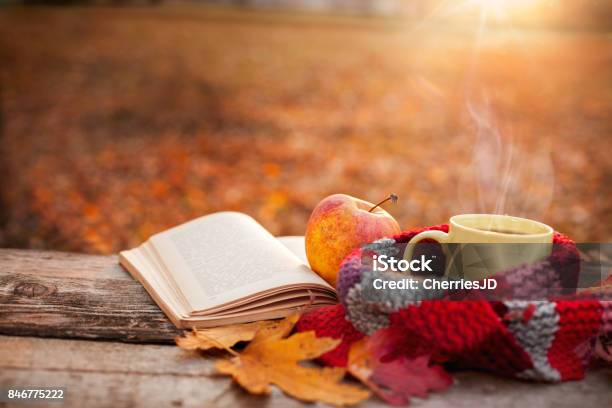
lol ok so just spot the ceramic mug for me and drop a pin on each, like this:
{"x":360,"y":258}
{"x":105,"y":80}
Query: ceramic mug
{"x":497,"y":243}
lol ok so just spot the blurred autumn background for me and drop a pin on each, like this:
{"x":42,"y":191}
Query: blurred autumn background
{"x":120,"y":119}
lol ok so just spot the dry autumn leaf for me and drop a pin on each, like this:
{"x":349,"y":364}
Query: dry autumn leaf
{"x":361,"y":363}
{"x":405,"y":378}
{"x":222,"y":337}
{"x":273,"y":358}
{"x":398,"y":380}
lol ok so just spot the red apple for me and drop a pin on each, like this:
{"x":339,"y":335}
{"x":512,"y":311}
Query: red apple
{"x":339,"y":224}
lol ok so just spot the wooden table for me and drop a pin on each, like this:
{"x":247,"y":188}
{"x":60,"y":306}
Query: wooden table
{"x":81,"y":322}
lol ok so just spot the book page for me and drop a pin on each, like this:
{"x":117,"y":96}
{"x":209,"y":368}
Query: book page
{"x":296,"y":244}
{"x":140,"y":268}
{"x":223,"y":257}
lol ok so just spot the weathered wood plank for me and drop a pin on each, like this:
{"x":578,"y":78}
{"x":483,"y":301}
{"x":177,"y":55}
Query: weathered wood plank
{"x":100,"y":374}
{"x":55,"y":294}
{"x":66,"y":295}
{"x":81,"y":296}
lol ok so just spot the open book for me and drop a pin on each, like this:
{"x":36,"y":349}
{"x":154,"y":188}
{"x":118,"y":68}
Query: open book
{"x":225,"y":268}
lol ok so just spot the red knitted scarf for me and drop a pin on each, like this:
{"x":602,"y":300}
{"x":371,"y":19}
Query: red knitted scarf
{"x":548,"y":340}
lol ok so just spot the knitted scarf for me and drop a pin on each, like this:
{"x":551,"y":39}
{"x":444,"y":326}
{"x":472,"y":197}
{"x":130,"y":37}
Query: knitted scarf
{"x":545,"y":340}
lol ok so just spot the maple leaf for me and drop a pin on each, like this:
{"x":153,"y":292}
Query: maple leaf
{"x":273,"y":358}
{"x":222,"y":337}
{"x":392,"y":342}
{"x":404,"y":378}
{"x":398,"y":380}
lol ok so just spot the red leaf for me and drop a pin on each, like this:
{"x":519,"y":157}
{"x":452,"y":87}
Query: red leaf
{"x":393,"y":342}
{"x":403,"y":378}
{"x":396,"y":366}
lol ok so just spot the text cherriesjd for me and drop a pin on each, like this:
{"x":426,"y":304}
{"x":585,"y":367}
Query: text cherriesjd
{"x":433,"y":284}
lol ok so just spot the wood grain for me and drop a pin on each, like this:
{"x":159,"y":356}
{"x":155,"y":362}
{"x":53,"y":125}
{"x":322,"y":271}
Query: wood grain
{"x":99,"y":374}
{"x":66,"y":295}
{"x":54,"y":294}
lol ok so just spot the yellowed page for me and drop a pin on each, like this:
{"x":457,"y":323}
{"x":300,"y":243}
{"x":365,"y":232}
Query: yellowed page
{"x":223,"y":257}
{"x":202,"y":323}
{"x":296,"y":244}
{"x":138,"y":266}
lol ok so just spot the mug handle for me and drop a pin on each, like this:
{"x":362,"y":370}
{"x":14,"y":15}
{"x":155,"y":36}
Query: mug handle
{"x":440,"y":237}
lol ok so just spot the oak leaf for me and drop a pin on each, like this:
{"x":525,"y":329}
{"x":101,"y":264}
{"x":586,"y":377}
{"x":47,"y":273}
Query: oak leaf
{"x":273,"y":358}
{"x":222,"y":337}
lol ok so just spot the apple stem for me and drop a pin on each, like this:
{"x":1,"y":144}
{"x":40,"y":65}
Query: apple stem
{"x":392,"y":197}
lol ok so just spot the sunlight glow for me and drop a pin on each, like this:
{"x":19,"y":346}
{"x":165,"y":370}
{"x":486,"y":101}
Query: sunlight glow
{"x":504,"y":8}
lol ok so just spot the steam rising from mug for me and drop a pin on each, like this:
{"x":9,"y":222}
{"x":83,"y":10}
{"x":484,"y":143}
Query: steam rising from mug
{"x":504,"y":178}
